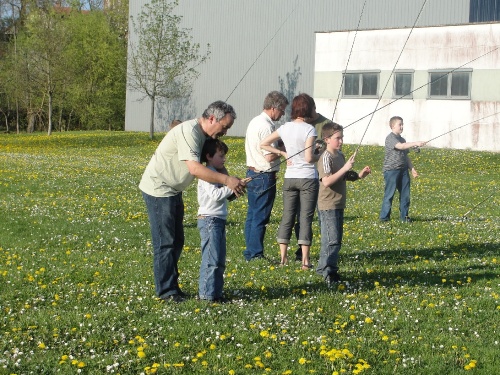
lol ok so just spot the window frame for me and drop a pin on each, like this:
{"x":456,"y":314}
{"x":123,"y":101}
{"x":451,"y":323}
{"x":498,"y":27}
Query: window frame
{"x":449,"y":77}
{"x":411,"y":73}
{"x":360,"y":82}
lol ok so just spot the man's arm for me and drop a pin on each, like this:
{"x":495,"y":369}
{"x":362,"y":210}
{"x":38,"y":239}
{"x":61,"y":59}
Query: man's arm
{"x":206,"y":174}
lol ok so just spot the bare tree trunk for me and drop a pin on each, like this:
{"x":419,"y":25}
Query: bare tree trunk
{"x":60,"y":120}
{"x":69,"y":120}
{"x":152,"y":119}
{"x":31,"y":123}
{"x":50,"y":113}
{"x":17,"y":116}
{"x":6,"y":121}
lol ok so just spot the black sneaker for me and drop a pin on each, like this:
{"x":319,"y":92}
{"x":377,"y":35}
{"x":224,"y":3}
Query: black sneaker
{"x":407,"y":220}
{"x":269,"y":260}
{"x":221,"y":300}
{"x":298,"y":254}
{"x":214,"y":300}
{"x":332,"y":278}
{"x":177,"y":298}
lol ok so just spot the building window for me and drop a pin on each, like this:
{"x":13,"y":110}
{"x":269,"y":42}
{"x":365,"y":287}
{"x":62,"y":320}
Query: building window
{"x":446,"y":84}
{"x":484,"y":10}
{"x":361,"y":84}
{"x":403,"y":84}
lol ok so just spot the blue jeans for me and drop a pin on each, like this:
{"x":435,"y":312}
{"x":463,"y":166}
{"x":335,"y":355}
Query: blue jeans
{"x":303,"y":192}
{"x":213,"y":257}
{"x":166,"y":215}
{"x":261,"y":192}
{"x":332,"y":224}
{"x":396,"y":179}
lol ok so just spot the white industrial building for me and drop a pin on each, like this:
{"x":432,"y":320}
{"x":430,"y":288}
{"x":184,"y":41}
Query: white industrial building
{"x":364,"y":60}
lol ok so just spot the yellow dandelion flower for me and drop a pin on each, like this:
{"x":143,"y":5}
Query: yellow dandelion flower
{"x":41,"y":345}
{"x":302,"y":361}
{"x":368,"y":320}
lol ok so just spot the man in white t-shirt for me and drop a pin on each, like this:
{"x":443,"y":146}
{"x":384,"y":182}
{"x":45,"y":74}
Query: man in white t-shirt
{"x":262,"y":168}
{"x":174,"y":165}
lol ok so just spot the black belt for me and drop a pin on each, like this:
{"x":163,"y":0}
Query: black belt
{"x":256,"y":171}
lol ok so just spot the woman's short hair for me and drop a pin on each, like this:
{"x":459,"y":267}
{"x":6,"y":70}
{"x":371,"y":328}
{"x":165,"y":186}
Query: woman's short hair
{"x":301,"y":107}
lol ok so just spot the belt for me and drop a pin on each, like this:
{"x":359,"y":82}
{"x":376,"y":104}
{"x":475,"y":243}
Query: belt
{"x":256,"y":171}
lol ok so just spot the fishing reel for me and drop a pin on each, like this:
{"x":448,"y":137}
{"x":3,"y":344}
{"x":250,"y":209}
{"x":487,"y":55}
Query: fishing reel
{"x":319,"y":146}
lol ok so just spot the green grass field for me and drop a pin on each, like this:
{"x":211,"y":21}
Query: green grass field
{"x":77,"y":291}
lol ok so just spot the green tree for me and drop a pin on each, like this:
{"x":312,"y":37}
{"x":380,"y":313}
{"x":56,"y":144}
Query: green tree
{"x":66,"y":62}
{"x":40,"y":63}
{"x":163,"y":59}
{"x":97,"y":53}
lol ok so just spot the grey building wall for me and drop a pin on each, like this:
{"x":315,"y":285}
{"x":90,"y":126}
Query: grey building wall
{"x":259,"y":43}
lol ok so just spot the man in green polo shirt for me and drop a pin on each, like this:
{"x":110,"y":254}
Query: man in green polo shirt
{"x":174,"y":165}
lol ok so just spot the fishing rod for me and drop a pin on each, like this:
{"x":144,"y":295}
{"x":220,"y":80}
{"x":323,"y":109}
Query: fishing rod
{"x":348,"y":59}
{"x":426,"y":84}
{"x":417,"y":149}
{"x":472,"y":122}
{"x":464,"y":216}
{"x":261,"y":52}
{"x":319,"y":146}
{"x":392,"y":72}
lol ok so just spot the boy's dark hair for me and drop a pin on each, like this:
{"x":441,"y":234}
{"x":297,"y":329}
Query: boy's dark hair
{"x":211,"y":146}
{"x":330,"y":128}
{"x":394,"y":119}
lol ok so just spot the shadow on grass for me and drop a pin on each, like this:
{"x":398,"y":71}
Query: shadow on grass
{"x":421,"y":275}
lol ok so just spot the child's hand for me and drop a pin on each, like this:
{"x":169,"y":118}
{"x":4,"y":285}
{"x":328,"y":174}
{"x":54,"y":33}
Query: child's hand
{"x":414,"y":173}
{"x":365,"y":172}
{"x":350,"y":162}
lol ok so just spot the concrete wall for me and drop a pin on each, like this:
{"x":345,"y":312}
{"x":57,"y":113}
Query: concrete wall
{"x":449,"y":47}
{"x":260,"y":42}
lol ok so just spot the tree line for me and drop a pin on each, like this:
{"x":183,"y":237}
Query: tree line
{"x":63,"y":65}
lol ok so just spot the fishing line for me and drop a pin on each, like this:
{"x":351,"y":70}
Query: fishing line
{"x":472,"y":122}
{"x":426,"y":84}
{"x":392,"y":72}
{"x":464,"y":216}
{"x":318,"y":144}
{"x":261,"y":52}
{"x":348,"y":59}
